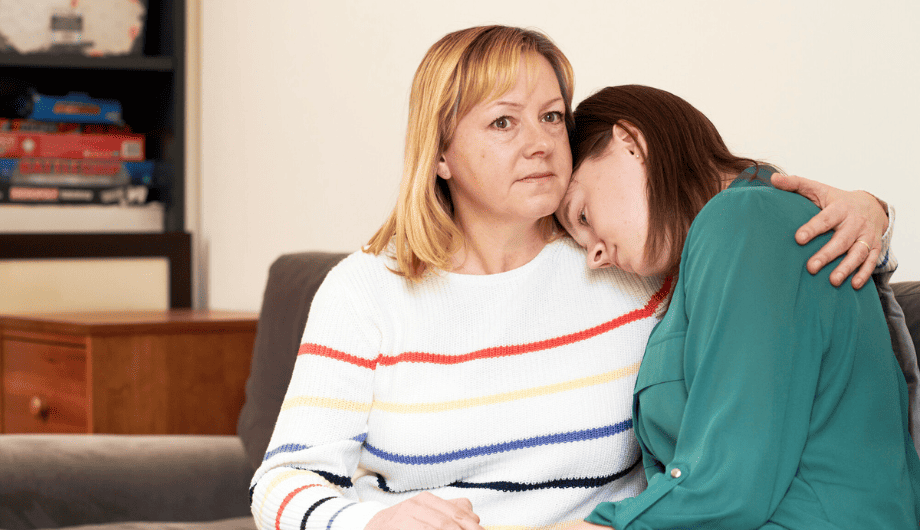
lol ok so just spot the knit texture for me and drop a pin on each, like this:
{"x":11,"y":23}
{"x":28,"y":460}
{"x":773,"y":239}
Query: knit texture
{"x":513,"y":390}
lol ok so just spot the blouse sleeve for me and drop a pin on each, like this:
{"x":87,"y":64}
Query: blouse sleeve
{"x":305,"y":480}
{"x":752,"y":353}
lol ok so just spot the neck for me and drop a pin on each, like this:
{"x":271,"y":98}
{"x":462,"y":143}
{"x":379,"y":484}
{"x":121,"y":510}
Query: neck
{"x":491,"y":249}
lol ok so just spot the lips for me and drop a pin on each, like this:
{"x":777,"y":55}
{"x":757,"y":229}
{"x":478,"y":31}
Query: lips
{"x":536,"y":177}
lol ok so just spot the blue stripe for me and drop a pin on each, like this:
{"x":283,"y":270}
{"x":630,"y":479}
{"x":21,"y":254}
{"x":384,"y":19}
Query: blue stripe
{"x":884,"y":261}
{"x":514,"y":445}
{"x":293,"y":448}
{"x":336,"y":514}
{"x":286,"y":448}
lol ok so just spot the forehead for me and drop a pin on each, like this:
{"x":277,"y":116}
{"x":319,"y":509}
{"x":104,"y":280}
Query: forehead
{"x":564,"y":213}
{"x":495,"y":78}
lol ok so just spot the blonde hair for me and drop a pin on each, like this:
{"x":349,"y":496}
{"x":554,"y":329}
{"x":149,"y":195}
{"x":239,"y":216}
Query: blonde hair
{"x":459,"y":71}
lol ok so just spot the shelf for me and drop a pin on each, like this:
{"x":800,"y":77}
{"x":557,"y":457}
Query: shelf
{"x":126,"y":62}
{"x":29,"y":218}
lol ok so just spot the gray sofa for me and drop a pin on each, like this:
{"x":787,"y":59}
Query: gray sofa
{"x":118,"y":482}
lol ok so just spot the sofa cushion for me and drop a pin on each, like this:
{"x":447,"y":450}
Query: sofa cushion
{"x":292,"y":282}
{"x":908,"y":296}
{"x":237,"y":523}
{"x":62,"y":480}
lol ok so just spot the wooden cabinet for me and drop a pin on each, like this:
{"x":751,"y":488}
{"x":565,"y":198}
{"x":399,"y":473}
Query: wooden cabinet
{"x":140,"y":372}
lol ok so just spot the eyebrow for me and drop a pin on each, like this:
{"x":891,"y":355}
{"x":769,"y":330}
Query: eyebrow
{"x":516,"y":105}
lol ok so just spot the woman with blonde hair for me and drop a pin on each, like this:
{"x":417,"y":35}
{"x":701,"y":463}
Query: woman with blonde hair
{"x":467,"y":367}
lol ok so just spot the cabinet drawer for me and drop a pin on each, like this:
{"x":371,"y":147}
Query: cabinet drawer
{"x":44,"y":388}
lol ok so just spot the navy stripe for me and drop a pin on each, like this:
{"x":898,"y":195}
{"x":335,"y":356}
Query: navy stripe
{"x":303,"y":524}
{"x":508,"y":486}
{"x":382,"y":484}
{"x":339,"y":480}
{"x":549,"y":439}
{"x":563,"y":483}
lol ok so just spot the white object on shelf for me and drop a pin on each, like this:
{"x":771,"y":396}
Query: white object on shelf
{"x":94,"y":27}
{"x":16,"y":218}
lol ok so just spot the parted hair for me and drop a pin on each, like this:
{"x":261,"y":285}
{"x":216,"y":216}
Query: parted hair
{"x":461,"y":70}
{"x":685,"y":159}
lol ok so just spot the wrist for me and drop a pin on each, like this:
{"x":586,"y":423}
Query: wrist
{"x":881,"y":203}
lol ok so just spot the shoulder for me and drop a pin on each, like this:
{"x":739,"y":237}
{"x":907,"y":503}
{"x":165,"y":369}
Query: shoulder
{"x":752,"y":209}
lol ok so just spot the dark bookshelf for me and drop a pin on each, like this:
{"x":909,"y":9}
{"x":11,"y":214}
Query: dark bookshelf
{"x":149,"y":84}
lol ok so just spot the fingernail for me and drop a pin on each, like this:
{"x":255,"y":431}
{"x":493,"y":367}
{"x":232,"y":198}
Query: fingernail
{"x":815,"y":264}
{"x":838,"y":277}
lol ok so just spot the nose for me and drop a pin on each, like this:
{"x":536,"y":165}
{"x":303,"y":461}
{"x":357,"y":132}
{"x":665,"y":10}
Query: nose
{"x":598,"y":258}
{"x":539,"y":141}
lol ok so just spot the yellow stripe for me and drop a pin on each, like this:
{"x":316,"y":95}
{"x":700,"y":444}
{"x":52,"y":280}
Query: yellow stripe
{"x":558,"y":526}
{"x":416,"y":408}
{"x":326,"y":403}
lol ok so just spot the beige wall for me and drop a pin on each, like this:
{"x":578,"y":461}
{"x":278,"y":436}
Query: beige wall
{"x":302,"y":104}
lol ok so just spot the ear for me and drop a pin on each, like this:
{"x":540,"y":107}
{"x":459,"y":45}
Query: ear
{"x":631,"y":137}
{"x":443,"y":168}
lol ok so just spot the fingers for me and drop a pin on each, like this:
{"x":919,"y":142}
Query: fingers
{"x":426,"y":511}
{"x":841,"y":242}
{"x":866,"y":269}
{"x":825,"y":220}
{"x":809,"y":189}
{"x":463,"y":503}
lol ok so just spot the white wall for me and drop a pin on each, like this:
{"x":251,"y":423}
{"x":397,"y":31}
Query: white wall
{"x":303,"y":104}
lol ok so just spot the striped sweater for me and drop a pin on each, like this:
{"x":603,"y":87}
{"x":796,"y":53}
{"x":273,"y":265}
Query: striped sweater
{"x":513,"y":390}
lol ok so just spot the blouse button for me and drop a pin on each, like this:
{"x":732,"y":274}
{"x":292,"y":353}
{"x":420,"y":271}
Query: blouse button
{"x":675,"y":473}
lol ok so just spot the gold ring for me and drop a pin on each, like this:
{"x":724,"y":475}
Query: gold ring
{"x":864,"y":243}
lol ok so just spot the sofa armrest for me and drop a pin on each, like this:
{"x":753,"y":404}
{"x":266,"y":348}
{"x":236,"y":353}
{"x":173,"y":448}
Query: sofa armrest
{"x":53,"y":480}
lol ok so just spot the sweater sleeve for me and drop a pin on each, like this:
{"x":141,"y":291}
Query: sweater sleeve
{"x":752,"y":356}
{"x":305,"y":480}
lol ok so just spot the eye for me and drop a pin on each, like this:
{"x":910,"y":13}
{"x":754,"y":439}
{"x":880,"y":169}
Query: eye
{"x":553,"y":117}
{"x":582,"y":218}
{"x":502,"y":123}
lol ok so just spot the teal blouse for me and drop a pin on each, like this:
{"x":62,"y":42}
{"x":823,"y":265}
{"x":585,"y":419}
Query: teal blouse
{"x":767,"y":398}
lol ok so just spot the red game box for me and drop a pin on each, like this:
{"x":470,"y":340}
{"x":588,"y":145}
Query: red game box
{"x":14,"y":144}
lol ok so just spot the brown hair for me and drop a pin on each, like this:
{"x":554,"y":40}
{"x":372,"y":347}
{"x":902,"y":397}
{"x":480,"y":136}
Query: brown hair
{"x":685,"y":160}
{"x":459,"y":71}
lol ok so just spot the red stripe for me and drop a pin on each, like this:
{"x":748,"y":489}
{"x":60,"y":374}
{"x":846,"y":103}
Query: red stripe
{"x":286,"y":501}
{"x":322,"y":351}
{"x":497,"y":351}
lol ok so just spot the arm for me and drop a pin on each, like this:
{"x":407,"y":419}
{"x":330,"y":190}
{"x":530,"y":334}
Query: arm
{"x":861,"y":223}
{"x":306,"y":476}
{"x":316,"y":443}
{"x":750,"y":369}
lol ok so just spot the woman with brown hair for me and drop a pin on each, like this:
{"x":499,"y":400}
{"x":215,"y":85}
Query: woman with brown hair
{"x":767,"y":398}
{"x":466,"y":366}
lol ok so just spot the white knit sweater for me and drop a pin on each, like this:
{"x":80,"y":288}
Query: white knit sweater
{"x":511,"y":389}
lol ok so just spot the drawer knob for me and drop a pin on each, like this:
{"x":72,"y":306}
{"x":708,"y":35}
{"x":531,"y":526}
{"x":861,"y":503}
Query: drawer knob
{"x":38,"y":407}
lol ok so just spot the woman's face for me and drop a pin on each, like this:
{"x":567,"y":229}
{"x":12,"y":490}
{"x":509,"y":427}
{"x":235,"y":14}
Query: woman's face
{"x":606,"y":207}
{"x":509,"y":161}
